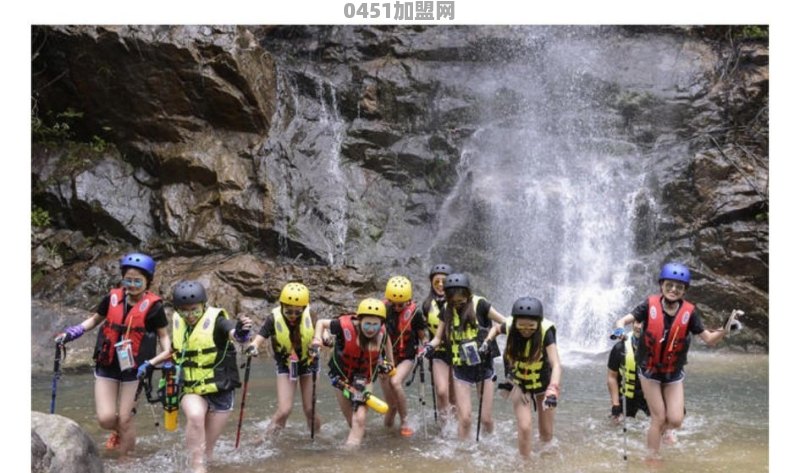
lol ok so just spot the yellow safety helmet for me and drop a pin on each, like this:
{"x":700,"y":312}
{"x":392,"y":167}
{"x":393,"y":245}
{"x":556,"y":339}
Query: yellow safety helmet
{"x":372,"y":306}
{"x":398,"y":289}
{"x":294,"y":293}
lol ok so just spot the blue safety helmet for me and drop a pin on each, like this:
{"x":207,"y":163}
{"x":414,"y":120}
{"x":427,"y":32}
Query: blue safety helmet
{"x":675,"y":272}
{"x":139,"y":261}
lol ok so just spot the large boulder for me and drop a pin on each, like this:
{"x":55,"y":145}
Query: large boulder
{"x":60,"y":445}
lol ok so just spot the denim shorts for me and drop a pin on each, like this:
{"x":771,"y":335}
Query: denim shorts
{"x":219,"y":401}
{"x":664,"y":378}
{"x":113,"y":373}
{"x":473,"y":374}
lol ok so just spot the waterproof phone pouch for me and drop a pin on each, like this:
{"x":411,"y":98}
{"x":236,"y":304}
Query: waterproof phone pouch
{"x":470,"y":354}
{"x":124,"y":354}
{"x":294,"y":369}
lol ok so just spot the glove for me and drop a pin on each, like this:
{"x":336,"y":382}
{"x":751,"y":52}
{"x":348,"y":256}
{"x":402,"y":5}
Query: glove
{"x":551,"y":397}
{"x":733,"y":324}
{"x":251,"y":350}
{"x":69,"y":334}
{"x":618,"y":334}
{"x":144,"y":370}
{"x":616,"y":411}
{"x":428,"y":350}
{"x":484,"y":348}
{"x":241,"y":334}
{"x":550,"y":401}
{"x":313,"y":352}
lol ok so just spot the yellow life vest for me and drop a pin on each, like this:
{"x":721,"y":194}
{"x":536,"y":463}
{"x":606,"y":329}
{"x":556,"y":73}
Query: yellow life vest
{"x":459,"y":335}
{"x":528,"y":374}
{"x":282,"y":340}
{"x":628,"y":371}
{"x":197,"y":354}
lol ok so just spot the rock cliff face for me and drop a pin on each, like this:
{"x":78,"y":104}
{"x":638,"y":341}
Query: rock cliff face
{"x":248,"y":156}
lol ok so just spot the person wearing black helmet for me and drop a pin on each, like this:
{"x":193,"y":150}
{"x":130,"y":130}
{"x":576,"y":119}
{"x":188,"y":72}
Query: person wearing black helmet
{"x":466,"y":321}
{"x":534,"y":368}
{"x":131,"y":320}
{"x":668,"y":323}
{"x":202,"y":338}
{"x":441,"y":360}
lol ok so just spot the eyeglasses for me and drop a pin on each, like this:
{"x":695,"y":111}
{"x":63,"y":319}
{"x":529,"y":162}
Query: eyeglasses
{"x":674,"y":286}
{"x":137,"y":283}
{"x":371,"y":326}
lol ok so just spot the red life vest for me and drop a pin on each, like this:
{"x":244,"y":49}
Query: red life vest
{"x":666,"y":355}
{"x":402,"y":333}
{"x":352,"y":360}
{"x":116,"y":325}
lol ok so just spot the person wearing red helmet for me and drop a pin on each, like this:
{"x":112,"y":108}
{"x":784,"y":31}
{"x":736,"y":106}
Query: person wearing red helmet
{"x":131,"y":320}
{"x":668,"y":323}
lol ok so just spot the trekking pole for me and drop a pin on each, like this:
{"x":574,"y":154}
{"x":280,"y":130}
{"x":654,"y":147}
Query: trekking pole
{"x":421,"y":364}
{"x":433,"y":391}
{"x":57,"y":373}
{"x":315,"y":356}
{"x":624,"y":406}
{"x":413,"y":375}
{"x":480,"y":409}
{"x":244,"y":397}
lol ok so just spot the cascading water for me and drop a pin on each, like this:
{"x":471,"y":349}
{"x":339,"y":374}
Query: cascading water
{"x":546,"y":192}
{"x":307,"y":144}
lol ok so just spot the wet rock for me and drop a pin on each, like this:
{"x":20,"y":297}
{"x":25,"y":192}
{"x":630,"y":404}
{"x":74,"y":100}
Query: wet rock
{"x":67,"y":447}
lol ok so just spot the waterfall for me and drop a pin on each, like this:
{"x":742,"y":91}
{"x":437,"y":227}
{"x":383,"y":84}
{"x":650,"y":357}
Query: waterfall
{"x":544,"y":201}
{"x":305,"y":143}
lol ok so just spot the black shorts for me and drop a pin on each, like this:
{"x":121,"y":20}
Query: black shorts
{"x":473,"y":374}
{"x":304,"y":369}
{"x":113,"y":373}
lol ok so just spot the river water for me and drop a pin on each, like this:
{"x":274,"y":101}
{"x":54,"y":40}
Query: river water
{"x":726,"y":428}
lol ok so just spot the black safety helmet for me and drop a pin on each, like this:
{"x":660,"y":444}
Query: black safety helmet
{"x":188,"y":292}
{"x":440,"y":268}
{"x":527,"y":307}
{"x":456,"y":280}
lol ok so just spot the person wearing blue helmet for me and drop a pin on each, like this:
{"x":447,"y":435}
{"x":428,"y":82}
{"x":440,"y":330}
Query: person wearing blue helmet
{"x":668,"y":323}
{"x":131,"y":321}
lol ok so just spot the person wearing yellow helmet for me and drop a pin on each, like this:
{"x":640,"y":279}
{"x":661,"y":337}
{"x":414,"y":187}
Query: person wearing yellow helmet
{"x":406,"y":326}
{"x":354,"y":364}
{"x":290,"y":325}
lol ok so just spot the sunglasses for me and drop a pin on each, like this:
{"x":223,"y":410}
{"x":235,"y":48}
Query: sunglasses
{"x":192,"y":313}
{"x":292,"y":311}
{"x":137,"y":283}
{"x":674,"y":286}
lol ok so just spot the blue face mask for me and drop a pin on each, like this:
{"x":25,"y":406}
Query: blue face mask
{"x":371,"y":326}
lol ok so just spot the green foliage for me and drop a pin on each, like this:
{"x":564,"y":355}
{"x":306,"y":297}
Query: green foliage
{"x":40,"y":218}
{"x":56,"y":129}
{"x":751,"y":32}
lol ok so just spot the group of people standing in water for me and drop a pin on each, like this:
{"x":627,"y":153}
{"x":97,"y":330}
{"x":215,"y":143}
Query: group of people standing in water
{"x":454,"y":331}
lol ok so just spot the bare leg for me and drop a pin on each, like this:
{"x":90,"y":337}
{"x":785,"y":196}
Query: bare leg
{"x":463,"y":391}
{"x":522,"y":409}
{"x":306,"y":388}
{"x":391,"y":400}
{"x":126,"y":427}
{"x":488,"y":403}
{"x":658,"y":412}
{"x":547,"y":419}
{"x":285,"y":400}
{"x":195,"y":408}
{"x":403,"y":369}
{"x":215,"y":424}
{"x":443,"y":380}
{"x":358,"y":427}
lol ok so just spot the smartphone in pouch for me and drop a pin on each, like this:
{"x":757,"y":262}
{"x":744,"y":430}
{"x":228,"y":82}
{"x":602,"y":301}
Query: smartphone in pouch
{"x":124,"y":354}
{"x":470,"y":354}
